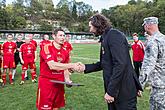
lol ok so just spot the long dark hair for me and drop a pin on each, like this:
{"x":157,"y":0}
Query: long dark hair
{"x":100,"y":22}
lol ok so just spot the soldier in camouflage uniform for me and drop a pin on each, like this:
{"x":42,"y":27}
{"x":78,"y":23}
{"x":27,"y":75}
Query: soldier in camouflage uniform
{"x":153,"y":67}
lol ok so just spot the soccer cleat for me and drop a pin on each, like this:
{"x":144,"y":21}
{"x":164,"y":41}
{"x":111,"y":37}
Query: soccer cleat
{"x":22,"y":82}
{"x":34,"y":81}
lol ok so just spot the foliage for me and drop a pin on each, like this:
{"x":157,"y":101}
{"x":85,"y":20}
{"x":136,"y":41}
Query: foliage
{"x":129,"y":17}
{"x":74,"y":15}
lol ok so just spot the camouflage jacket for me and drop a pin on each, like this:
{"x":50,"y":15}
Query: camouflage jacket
{"x":153,"y":67}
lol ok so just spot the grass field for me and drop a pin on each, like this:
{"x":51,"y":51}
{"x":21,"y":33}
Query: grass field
{"x":88,"y":97}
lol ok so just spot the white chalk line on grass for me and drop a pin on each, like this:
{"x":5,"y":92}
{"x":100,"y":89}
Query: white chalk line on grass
{"x":85,"y":58}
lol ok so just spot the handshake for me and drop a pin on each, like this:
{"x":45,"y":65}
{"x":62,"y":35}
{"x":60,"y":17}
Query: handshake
{"x":78,"y":67}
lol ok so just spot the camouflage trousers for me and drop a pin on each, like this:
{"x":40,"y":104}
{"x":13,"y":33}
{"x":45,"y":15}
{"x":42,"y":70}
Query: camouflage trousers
{"x":157,"y":99}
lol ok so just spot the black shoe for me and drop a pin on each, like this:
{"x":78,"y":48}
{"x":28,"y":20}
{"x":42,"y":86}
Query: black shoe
{"x":27,"y":78}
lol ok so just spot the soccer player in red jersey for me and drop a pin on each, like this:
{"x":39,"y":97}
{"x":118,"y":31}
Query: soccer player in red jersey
{"x":8,"y":50}
{"x":67,"y":44}
{"x":32,"y":41}
{"x":45,"y":41}
{"x":54,"y":61}
{"x":69,"y":48}
{"x":28,"y":57}
{"x":1,"y":81}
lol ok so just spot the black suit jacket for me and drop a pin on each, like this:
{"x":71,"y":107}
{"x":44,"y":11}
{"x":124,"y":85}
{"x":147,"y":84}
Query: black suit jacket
{"x":120,"y":80}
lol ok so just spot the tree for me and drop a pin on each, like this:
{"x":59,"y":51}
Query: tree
{"x":132,"y":2}
{"x":45,"y":26}
{"x":2,"y":3}
{"x":74,"y":11}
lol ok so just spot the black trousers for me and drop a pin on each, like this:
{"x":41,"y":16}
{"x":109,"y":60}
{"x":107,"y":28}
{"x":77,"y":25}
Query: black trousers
{"x":17,"y":59}
{"x":127,"y":105}
{"x":137,"y":67}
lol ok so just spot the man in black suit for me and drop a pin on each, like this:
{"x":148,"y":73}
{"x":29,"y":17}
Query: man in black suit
{"x":120,"y":81}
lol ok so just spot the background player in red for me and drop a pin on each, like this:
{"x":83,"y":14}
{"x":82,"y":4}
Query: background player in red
{"x":35,"y":44}
{"x":8,"y":50}
{"x":45,"y":41}
{"x":32,"y":40}
{"x":138,"y":53}
{"x":1,"y":81}
{"x":28,"y":56}
{"x":54,"y":60}
{"x":68,"y":46}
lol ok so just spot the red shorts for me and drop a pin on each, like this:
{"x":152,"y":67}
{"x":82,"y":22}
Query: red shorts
{"x":8,"y":62}
{"x":30,"y":64}
{"x":50,"y":95}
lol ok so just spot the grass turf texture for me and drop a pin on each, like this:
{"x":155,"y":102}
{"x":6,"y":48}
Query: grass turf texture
{"x":88,"y":97}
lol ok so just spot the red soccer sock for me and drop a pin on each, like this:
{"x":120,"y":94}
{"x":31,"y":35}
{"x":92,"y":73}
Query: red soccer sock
{"x":4,"y":78}
{"x":23,"y":76}
{"x":33,"y":74}
{"x":10,"y":78}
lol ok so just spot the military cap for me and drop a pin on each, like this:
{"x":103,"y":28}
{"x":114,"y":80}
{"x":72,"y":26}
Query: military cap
{"x":150,"y":20}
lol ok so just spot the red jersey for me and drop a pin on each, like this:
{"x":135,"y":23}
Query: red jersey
{"x":68,"y":46}
{"x":138,"y":51}
{"x":0,"y":55}
{"x":34,"y":43}
{"x":9,"y":48}
{"x":49,"y":53}
{"x":0,"y":48}
{"x":28,"y":51}
{"x":44,"y":42}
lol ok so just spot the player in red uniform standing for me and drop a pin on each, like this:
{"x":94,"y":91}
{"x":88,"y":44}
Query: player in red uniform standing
{"x":67,"y":44}
{"x":8,"y":50}
{"x":28,"y":57}
{"x":45,"y":41}
{"x":32,"y":40}
{"x":138,"y":53}
{"x":1,"y":81}
{"x":35,"y":44}
{"x":69,"y":48}
{"x":54,"y":61}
